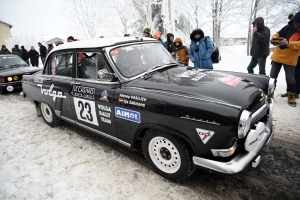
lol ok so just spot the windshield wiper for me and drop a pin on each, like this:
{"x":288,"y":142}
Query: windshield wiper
{"x":147,"y":73}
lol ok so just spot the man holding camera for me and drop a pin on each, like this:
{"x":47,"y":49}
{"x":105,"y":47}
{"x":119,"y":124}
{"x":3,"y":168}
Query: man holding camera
{"x":286,"y":54}
{"x":260,"y":46}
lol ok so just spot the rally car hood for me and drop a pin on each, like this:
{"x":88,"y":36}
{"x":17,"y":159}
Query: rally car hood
{"x":18,"y":71}
{"x":214,"y":86}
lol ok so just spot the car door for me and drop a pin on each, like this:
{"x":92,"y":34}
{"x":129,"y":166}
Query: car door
{"x":55,"y":86}
{"x":92,"y":94}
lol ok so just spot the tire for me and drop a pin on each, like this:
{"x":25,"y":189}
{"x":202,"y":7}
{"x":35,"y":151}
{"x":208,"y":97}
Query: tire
{"x":168,"y":155}
{"x":49,"y":115}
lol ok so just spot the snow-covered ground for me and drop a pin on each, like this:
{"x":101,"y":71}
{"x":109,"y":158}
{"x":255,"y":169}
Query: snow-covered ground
{"x":40,"y":162}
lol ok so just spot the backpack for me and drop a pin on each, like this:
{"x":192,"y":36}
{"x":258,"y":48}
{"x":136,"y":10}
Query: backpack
{"x":215,"y":56}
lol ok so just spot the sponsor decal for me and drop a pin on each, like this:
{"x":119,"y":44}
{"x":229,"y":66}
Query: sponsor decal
{"x":230,"y":80}
{"x":129,"y":115}
{"x":49,"y":92}
{"x":85,"y":92}
{"x":121,"y":100}
{"x":10,"y":88}
{"x":116,"y":52}
{"x":104,"y":95}
{"x":205,"y":135}
{"x":132,"y":100}
{"x":105,"y":113}
{"x":38,"y":80}
{"x":86,"y":111}
{"x":143,"y":48}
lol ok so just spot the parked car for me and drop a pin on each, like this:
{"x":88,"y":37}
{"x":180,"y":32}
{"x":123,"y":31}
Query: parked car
{"x":130,"y":90}
{"x":12,"y":68}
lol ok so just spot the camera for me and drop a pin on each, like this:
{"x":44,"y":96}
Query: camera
{"x":276,"y":41}
{"x":197,"y":49}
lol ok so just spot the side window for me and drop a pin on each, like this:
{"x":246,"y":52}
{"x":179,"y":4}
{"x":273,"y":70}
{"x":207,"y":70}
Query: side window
{"x":92,"y":66}
{"x":61,"y":65}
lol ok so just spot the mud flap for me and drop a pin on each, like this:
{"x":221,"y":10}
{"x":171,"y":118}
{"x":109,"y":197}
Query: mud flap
{"x":38,"y":111}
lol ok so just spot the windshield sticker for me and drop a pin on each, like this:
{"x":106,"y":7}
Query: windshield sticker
{"x":104,"y":112}
{"x":104,"y":95}
{"x":143,"y":48}
{"x":116,"y":52}
{"x":86,"y":111}
{"x":129,"y":115}
{"x":38,"y":80}
{"x":205,"y":135}
{"x":84,"y":92}
{"x":231,"y":80}
{"x":49,"y":92}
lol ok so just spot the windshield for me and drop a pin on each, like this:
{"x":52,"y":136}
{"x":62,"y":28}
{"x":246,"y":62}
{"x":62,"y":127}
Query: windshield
{"x":135,"y":59}
{"x":11,"y":61}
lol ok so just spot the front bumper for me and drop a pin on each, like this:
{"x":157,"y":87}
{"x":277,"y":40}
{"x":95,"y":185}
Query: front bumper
{"x":242,"y":159}
{"x":15,"y":85}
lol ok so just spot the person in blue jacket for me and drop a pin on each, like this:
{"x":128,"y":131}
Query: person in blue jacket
{"x":201,"y":49}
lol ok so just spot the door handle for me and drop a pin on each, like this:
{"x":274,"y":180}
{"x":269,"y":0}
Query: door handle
{"x":48,"y":79}
{"x":74,"y":83}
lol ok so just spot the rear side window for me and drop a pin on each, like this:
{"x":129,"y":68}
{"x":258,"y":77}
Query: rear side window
{"x":61,"y":65}
{"x":92,"y":66}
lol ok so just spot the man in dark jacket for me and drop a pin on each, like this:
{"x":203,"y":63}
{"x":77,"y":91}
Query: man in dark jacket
{"x":170,"y":45}
{"x":34,"y":57}
{"x":43,"y":52}
{"x":24,"y":55}
{"x":260,"y":46}
{"x":18,"y":50}
{"x":4,"y":50}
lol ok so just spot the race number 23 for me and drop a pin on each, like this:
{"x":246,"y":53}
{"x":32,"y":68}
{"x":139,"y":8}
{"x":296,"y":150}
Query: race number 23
{"x":86,"y":111}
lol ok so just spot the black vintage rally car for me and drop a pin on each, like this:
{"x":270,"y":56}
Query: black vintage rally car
{"x":132,"y":91}
{"x":12,"y":68}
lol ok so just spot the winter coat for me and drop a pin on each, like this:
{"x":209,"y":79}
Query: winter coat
{"x":182,"y":52}
{"x":34,"y":57}
{"x":5,"y":51}
{"x":201,"y":58}
{"x":260,"y":41}
{"x":287,"y":55}
{"x":170,"y":45}
{"x":24,"y":55}
{"x":43,"y":51}
{"x":162,"y":42}
{"x":49,"y":49}
{"x":14,"y":51}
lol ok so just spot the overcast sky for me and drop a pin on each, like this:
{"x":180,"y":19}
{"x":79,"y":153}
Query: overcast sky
{"x":39,"y":18}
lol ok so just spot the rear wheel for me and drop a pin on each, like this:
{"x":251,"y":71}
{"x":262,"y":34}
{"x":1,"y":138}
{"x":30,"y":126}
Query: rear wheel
{"x":168,"y":155}
{"x":48,"y":115}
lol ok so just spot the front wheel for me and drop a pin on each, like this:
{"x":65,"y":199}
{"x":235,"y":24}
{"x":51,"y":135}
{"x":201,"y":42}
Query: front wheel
{"x":168,"y":155}
{"x":48,"y":115}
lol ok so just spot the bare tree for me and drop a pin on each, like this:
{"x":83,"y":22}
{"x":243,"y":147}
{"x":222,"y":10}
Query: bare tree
{"x":253,"y":12}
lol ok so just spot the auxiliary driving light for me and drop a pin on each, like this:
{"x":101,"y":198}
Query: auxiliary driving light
{"x":9,"y":79}
{"x":16,"y":78}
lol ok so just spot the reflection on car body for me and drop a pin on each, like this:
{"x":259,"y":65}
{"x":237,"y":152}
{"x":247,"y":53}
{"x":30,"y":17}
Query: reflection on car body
{"x":132,"y":91}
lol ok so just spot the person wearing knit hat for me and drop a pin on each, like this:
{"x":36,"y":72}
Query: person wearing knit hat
{"x":156,"y":36}
{"x":147,"y":32}
{"x":4,"y":50}
{"x":201,"y":49}
{"x":289,"y":41}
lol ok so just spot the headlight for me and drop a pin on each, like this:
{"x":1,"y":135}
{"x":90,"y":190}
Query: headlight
{"x":271,"y":86}
{"x":9,"y":78}
{"x":244,"y":124}
{"x":16,"y":78}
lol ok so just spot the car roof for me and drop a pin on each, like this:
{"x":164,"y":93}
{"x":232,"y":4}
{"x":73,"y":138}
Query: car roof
{"x":100,"y":42}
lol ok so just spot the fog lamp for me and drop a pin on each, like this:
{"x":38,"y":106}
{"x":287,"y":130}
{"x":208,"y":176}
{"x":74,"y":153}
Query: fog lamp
{"x":9,"y":78}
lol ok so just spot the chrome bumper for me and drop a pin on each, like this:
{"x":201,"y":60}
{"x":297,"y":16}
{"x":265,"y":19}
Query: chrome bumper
{"x":242,"y":159}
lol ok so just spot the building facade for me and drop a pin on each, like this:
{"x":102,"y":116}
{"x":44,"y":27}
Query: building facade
{"x":5,"y":33}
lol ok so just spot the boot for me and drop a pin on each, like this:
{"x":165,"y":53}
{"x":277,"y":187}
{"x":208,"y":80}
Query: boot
{"x":271,"y":96}
{"x":284,"y":95}
{"x":291,"y":99}
{"x":296,"y":96}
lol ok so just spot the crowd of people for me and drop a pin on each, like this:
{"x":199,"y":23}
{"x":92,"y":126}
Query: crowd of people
{"x":286,"y":52}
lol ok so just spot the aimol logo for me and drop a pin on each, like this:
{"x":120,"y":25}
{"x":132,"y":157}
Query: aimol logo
{"x":128,"y":114}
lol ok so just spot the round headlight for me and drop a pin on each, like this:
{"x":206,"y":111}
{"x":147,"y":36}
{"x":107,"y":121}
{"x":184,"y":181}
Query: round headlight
{"x":16,"y":78}
{"x":271,"y":85}
{"x":9,"y":78}
{"x":244,"y":124}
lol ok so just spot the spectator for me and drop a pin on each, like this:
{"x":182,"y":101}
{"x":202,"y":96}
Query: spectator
{"x":50,"y":47}
{"x":14,"y":51}
{"x":201,"y":50}
{"x":43,"y":52}
{"x":72,"y":39}
{"x":170,"y":45}
{"x":260,"y":46}
{"x":34,"y":57}
{"x":18,"y":50}
{"x":79,"y":55}
{"x":182,"y":53}
{"x":127,"y":35}
{"x":4,"y":50}
{"x":156,"y":36}
{"x":59,"y":43}
{"x":286,"y":55}
{"x":147,"y":32}
{"x":24,"y":55}
{"x":56,"y":43}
